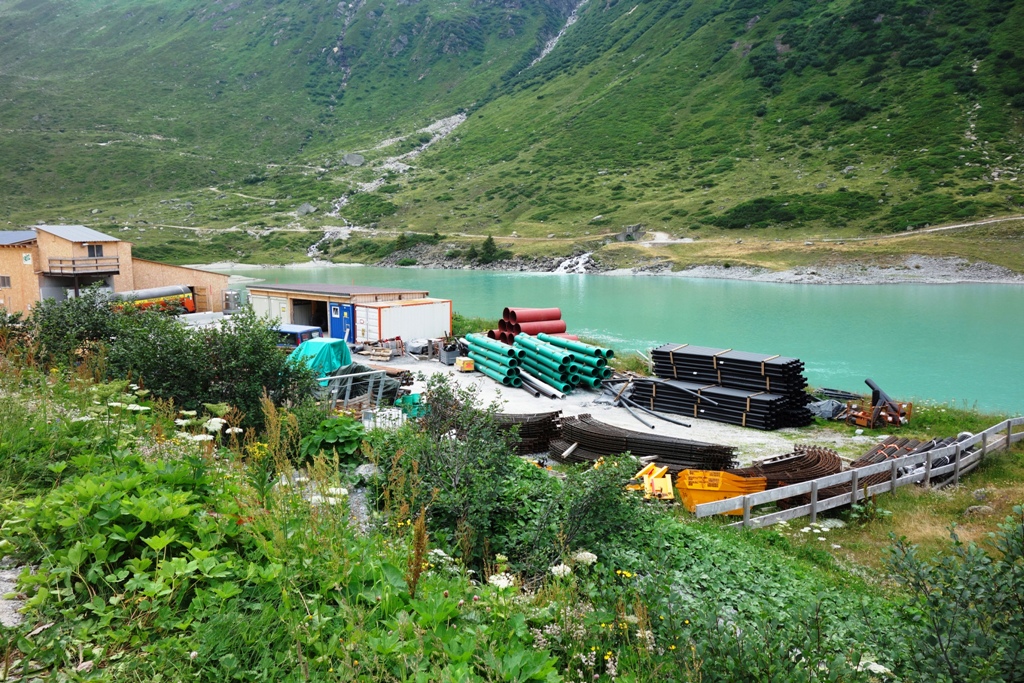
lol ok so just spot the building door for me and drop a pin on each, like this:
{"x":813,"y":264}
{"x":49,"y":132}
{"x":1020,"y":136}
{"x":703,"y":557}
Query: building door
{"x":341,"y":326}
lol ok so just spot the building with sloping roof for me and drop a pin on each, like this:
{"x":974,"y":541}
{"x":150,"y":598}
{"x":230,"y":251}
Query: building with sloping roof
{"x":58,"y":261}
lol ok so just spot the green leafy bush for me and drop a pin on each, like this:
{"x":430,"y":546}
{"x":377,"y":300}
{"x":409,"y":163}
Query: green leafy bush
{"x":340,"y":436}
{"x":966,"y":613}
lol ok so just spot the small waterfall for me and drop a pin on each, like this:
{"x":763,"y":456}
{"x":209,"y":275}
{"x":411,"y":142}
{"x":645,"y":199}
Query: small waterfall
{"x":550,"y":45}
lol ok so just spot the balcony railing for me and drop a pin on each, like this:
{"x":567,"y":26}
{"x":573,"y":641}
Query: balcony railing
{"x":84,"y":266}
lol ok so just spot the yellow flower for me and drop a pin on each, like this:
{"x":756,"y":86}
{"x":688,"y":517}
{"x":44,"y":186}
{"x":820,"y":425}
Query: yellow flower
{"x":671,"y":647}
{"x":355,"y":662}
{"x":686,"y":621}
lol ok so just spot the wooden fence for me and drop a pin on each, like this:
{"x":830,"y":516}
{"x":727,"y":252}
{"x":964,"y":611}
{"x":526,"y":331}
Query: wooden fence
{"x":963,"y":460}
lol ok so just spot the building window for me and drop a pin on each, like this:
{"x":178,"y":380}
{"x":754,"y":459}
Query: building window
{"x":95,"y":251}
{"x":5,"y":281}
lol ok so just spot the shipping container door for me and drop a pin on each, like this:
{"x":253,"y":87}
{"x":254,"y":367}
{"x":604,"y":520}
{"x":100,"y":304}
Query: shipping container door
{"x":279,"y":309}
{"x":420,"y":321}
{"x":341,"y":325}
{"x":260,"y":304}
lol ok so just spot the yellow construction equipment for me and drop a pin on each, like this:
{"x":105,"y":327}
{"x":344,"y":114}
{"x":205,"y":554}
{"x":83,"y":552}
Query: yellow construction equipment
{"x":706,"y":486}
{"x":654,"y":481}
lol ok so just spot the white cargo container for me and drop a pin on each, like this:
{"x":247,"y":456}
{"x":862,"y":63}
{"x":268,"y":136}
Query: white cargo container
{"x":410,"y":319}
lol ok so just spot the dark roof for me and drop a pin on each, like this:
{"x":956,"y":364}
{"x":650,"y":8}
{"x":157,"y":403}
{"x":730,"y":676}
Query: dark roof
{"x":76,"y":233}
{"x":336,"y":290}
{"x":9,"y":237}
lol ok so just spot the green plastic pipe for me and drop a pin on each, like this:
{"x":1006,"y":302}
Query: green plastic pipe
{"x":544,"y":372}
{"x":532,"y":344}
{"x":606,"y":372}
{"x":591,"y":361}
{"x":507,"y":361}
{"x":563,"y":387}
{"x":504,"y":380}
{"x":575,"y":380}
{"x":494,"y":367}
{"x":553,"y":366}
{"x":586,"y":349}
{"x":592,"y":382}
{"x":490,"y":344}
{"x":516,"y":381}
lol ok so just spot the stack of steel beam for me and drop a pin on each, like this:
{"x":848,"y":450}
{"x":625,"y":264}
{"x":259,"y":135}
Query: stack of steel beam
{"x":536,"y":430}
{"x":593,"y":440}
{"x":891,"y":448}
{"x":748,"y":389}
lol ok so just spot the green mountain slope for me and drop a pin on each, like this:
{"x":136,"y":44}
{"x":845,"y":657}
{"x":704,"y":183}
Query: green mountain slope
{"x":683,"y":115}
{"x":103,"y":100}
{"x":879,"y":114}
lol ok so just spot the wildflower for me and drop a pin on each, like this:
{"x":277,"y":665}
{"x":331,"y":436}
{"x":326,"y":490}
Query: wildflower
{"x":234,"y":430}
{"x":115,"y":404}
{"x":215,"y":424}
{"x":561,"y":570}
{"x":836,"y":546}
{"x":193,"y":654}
{"x":671,"y":647}
{"x":501,"y":580}
{"x":630,"y":618}
{"x":821,"y":538}
{"x":686,"y":621}
{"x":585,"y":558}
{"x":201,"y":437}
{"x":182,"y":422}
{"x":83,"y":418}
{"x":806,"y":530}
{"x":135,"y":407}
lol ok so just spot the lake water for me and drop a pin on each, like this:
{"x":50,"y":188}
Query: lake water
{"x":960,"y":343}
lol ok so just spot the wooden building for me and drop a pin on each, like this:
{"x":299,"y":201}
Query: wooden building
{"x":58,"y":261}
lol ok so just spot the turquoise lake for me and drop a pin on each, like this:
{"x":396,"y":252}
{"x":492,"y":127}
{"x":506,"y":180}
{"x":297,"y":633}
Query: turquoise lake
{"x":959,"y":343}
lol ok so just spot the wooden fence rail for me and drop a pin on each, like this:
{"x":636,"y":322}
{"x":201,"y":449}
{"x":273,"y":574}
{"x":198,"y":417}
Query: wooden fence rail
{"x":996,"y":437}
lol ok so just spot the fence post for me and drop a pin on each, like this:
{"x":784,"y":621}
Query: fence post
{"x":814,"y":501}
{"x":956,"y":465}
{"x":853,"y":486}
{"x":893,"y":475}
{"x":746,"y":512}
{"x":1009,"y":434}
{"x":984,"y":445}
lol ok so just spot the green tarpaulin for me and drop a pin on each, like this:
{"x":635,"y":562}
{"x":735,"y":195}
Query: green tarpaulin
{"x":325,"y":356}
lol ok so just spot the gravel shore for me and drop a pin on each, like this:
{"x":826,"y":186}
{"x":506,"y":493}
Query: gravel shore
{"x":913,"y":269}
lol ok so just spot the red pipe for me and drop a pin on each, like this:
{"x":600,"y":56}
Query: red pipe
{"x":503,"y":325}
{"x":532,"y":315}
{"x":493,"y":334}
{"x":548,"y":326}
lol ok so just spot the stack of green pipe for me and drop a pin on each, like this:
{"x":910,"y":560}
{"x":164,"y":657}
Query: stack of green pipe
{"x":498,"y":361}
{"x":555,"y":366}
{"x":592,"y":360}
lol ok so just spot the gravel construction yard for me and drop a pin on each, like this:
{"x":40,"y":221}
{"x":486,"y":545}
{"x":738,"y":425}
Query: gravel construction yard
{"x":751,"y":444}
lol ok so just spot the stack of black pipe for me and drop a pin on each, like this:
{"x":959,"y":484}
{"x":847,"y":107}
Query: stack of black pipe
{"x":596,"y":439}
{"x":536,"y":430}
{"x":737,"y":387}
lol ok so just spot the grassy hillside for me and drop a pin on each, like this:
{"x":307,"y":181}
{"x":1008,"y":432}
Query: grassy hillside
{"x":736,"y":115}
{"x":704,"y":118}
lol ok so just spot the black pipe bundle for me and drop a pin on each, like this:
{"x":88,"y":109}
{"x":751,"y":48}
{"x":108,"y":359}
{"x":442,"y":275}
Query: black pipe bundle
{"x":536,"y":430}
{"x":748,"y":389}
{"x":596,"y":439}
